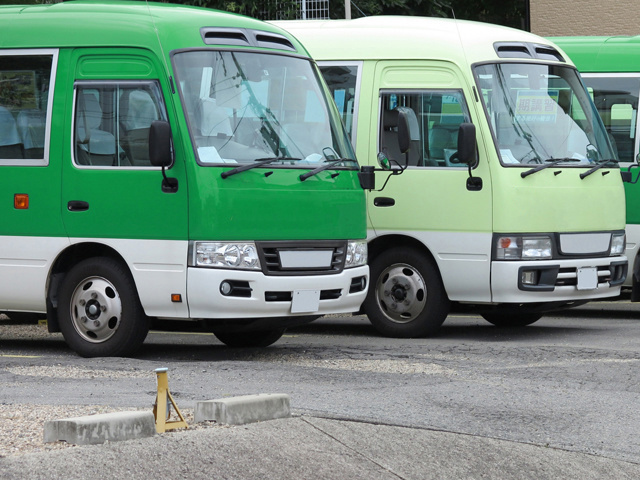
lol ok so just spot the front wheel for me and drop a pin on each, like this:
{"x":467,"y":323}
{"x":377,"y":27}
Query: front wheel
{"x":99,"y":311}
{"x":250,"y":339}
{"x":407,"y":298}
{"x":511,"y":319}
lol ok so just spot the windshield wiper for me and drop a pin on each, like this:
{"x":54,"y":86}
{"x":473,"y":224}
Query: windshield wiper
{"x":605,"y":163}
{"x":550,"y":162}
{"x":258,"y":162}
{"x":323,"y":167}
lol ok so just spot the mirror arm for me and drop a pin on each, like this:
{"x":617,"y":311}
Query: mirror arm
{"x":169,"y":184}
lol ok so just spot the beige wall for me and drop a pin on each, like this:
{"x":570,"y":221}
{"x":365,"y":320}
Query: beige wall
{"x":585,"y":17}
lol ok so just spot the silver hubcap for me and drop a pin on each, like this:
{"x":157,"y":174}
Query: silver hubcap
{"x":96,"y":309}
{"x":401,"y":293}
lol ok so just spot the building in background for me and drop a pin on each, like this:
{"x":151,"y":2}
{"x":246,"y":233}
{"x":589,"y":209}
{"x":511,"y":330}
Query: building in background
{"x":584,"y":17}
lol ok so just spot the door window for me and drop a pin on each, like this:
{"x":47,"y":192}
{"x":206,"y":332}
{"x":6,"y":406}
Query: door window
{"x":112,"y":121}
{"x":434,"y":119}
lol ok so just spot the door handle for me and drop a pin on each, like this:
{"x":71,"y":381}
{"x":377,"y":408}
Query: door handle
{"x":384,"y":202}
{"x":77,"y":206}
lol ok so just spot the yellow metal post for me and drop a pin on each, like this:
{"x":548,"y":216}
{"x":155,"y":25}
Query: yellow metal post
{"x":161,"y":407}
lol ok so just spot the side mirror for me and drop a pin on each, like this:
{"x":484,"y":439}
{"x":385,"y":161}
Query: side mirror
{"x":160,"y":151}
{"x":467,"y":143}
{"x":367,"y":177}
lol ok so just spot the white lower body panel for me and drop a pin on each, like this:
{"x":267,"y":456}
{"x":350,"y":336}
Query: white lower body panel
{"x":505,"y":275}
{"x":470,"y":276}
{"x":206,"y":300}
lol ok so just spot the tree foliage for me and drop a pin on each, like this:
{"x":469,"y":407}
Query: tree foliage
{"x":501,"y":12}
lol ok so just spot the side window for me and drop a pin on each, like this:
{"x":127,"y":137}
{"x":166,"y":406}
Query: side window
{"x":616,"y":99}
{"x":434,"y":120}
{"x":25,"y":89}
{"x":342,"y":80}
{"x":112,"y":122}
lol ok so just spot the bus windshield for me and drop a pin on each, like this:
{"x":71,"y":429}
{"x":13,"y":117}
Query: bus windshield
{"x":541,"y":114}
{"x":244,"y":107}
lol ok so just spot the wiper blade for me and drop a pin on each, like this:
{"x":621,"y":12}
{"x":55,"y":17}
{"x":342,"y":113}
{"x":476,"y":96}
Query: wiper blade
{"x":606,"y":163}
{"x":550,"y":162}
{"x":258,"y":162}
{"x":323,"y":167}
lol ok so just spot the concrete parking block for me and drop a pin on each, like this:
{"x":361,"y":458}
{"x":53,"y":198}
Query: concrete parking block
{"x":96,"y":429}
{"x":244,"y":409}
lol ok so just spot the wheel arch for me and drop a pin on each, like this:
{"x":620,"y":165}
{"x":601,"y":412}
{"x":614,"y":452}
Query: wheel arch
{"x":385,"y":242}
{"x":69,"y":257}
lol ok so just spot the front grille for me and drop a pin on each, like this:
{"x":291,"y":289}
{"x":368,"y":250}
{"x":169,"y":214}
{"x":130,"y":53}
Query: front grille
{"x":269,"y":253}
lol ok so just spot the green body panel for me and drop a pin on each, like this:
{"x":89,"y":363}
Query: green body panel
{"x":130,"y":204}
{"x":250,"y":205}
{"x":122,"y":203}
{"x":632,"y":194}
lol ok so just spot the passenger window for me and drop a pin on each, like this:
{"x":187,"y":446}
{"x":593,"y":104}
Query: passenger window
{"x":25,"y":81}
{"x":616,"y":99}
{"x":434,"y":119}
{"x":112,"y":122}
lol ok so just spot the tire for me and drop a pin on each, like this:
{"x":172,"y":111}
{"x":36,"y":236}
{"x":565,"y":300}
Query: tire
{"x":250,"y":339}
{"x":99,"y":312}
{"x":406,"y":298}
{"x":512,"y":319}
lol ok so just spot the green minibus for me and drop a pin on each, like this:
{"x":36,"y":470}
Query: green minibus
{"x":611,"y":72}
{"x":508,"y":204}
{"x":160,"y":163}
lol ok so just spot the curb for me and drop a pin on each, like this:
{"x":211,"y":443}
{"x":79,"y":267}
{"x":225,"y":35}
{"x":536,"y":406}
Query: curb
{"x":244,"y":409}
{"x":96,"y":429}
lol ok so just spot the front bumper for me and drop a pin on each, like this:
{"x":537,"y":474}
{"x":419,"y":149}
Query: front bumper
{"x":565,"y":280}
{"x":256,"y":295}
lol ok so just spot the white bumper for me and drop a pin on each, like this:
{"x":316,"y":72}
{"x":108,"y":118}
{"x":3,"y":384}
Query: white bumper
{"x":207,"y":301}
{"x":565,"y":287}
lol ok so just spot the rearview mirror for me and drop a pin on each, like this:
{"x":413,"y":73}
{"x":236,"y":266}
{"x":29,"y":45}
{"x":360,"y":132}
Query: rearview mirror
{"x":467,"y":143}
{"x":160,"y":151}
{"x":404,"y":131}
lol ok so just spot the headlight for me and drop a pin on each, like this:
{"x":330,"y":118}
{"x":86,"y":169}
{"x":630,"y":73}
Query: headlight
{"x":523,"y":248}
{"x":238,"y":255}
{"x":356,"y":254}
{"x":618,"y":241}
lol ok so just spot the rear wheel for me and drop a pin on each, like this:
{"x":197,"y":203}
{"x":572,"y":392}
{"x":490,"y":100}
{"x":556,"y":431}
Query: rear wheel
{"x":250,"y":339}
{"x":512,"y":319}
{"x":407,"y":298}
{"x":99,"y":311}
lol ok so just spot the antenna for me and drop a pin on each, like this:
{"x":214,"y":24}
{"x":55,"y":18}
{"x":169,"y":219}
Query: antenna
{"x":453,"y":14}
{"x":164,"y":57}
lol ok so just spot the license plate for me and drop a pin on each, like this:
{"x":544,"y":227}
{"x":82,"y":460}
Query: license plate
{"x":305,"y":301}
{"x":305,"y":258}
{"x":587,"y":278}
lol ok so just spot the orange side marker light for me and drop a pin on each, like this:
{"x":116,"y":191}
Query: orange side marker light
{"x":21,"y":201}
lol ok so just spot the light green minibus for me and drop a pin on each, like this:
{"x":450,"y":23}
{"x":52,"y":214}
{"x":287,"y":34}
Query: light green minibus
{"x":161,"y":162}
{"x":508,"y":204}
{"x":611,"y":71}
